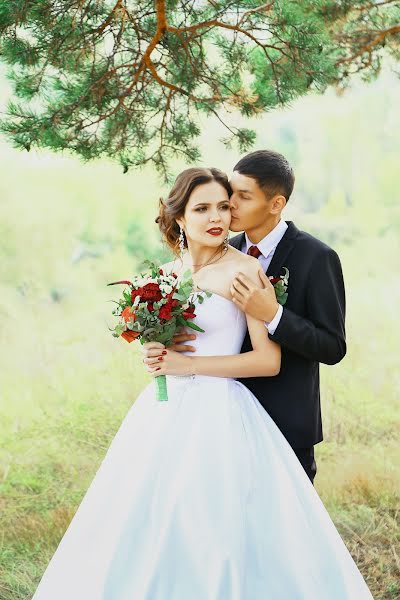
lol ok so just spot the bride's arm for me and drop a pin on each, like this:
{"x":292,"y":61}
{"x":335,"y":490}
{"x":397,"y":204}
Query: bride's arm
{"x":264,"y":360}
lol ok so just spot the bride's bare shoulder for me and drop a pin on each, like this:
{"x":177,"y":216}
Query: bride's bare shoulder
{"x":242,"y":260}
{"x":246,"y":264}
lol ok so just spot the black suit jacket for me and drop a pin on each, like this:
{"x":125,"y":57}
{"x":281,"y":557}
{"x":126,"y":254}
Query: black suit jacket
{"x":311,"y":331}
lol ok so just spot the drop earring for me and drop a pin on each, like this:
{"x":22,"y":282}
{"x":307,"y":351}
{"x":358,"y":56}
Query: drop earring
{"x":181,"y":242}
{"x":226,"y":242}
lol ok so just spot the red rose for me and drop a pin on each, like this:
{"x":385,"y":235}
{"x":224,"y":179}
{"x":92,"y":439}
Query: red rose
{"x":135,"y":293}
{"x":151,"y":291}
{"x":161,"y":272}
{"x":129,"y":335}
{"x":173,"y":303}
{"x":189,"y":313}
{"x":171,"y":300}
{"x":274,"y":280}
{"x":166,"y":309}
{"x":166,"y":312}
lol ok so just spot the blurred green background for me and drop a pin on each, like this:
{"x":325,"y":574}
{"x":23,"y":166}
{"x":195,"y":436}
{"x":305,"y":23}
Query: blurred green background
{"x":68,"y":228}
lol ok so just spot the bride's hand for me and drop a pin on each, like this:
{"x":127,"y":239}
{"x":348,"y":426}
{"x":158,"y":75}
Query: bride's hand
{"x":162,"y":361}
{"x":152,"y":351}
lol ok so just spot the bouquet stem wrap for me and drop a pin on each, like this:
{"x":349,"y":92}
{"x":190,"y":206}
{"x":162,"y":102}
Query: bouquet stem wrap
{"x":161,"y":388}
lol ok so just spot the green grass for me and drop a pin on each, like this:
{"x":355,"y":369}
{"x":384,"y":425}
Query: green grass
{"x":68,"y":385}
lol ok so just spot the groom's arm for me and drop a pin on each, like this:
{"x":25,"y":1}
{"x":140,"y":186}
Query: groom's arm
{"x":322,"y":336}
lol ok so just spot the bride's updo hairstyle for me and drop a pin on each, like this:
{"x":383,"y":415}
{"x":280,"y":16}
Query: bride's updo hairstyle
{"x":174,"y":205}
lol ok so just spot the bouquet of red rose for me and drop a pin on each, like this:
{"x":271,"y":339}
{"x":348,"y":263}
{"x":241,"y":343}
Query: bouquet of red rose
{"x":280,"y":284}
{"x":153,"y":307}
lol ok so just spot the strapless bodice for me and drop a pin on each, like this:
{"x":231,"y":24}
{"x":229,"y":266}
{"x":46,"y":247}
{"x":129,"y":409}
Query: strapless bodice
{"x":224,"y":327}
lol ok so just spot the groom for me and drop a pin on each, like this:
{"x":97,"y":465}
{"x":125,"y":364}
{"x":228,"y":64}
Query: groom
{"x":310,"y":327}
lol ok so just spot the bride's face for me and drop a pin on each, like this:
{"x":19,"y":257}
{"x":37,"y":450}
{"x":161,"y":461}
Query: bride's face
{"x":207,"y":215}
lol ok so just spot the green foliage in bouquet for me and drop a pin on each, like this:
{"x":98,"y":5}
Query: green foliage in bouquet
{"x":155,"y":305}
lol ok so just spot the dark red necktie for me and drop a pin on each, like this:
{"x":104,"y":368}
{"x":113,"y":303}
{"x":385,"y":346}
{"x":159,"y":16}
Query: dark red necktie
{"x":254,"y":251}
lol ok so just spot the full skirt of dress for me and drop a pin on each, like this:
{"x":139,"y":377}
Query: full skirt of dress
{"x":201,"y":498}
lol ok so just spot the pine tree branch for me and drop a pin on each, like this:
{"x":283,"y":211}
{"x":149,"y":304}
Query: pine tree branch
{"x":374,"y":5}
{"x":145,"y":61}
{"x":110,"y":17}
{"x":258,"y":9}
{"x":369,"y":47}
{"x":119,"y":77}
{"x":173,"y":87}
{"x":216,"y":23}
{"x":235,"y":28}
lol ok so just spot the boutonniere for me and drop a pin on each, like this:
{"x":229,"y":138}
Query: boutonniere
{"x":280,"y":284}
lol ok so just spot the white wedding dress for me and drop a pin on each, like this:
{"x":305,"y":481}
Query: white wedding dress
{"x":202,"y":498}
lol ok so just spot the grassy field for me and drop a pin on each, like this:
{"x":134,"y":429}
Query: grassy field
{"x":66,"y":384}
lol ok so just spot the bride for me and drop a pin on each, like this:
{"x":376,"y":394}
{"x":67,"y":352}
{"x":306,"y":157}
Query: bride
{"x":201,"y":497}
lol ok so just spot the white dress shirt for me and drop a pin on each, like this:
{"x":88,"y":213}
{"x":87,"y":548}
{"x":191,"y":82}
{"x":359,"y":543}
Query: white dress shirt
{"x":267,"y":248}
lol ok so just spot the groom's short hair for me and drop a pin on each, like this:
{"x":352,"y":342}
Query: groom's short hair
{"x":270,"y":169}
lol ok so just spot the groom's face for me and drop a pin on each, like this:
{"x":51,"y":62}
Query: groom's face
{"x":249,"y":205}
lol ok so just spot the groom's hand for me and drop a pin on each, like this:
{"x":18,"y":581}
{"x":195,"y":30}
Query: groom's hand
{"x":259,"y":302}
{"x":179,"y":340}
{"x":154,"y":349}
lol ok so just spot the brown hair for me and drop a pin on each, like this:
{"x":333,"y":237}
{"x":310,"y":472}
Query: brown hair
{"x":174,"y":206}
{"x":271,"y":170}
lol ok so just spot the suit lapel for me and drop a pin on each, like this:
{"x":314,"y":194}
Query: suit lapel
{"x":281,"y":252}
{"x":283,"y":249}
{"x":237,"y":241}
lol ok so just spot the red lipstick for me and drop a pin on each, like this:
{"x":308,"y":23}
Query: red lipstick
{"x":215,"y":231}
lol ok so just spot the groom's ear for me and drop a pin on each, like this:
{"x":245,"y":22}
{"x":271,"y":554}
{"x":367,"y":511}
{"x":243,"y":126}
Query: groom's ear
{"x":277,"y":204}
